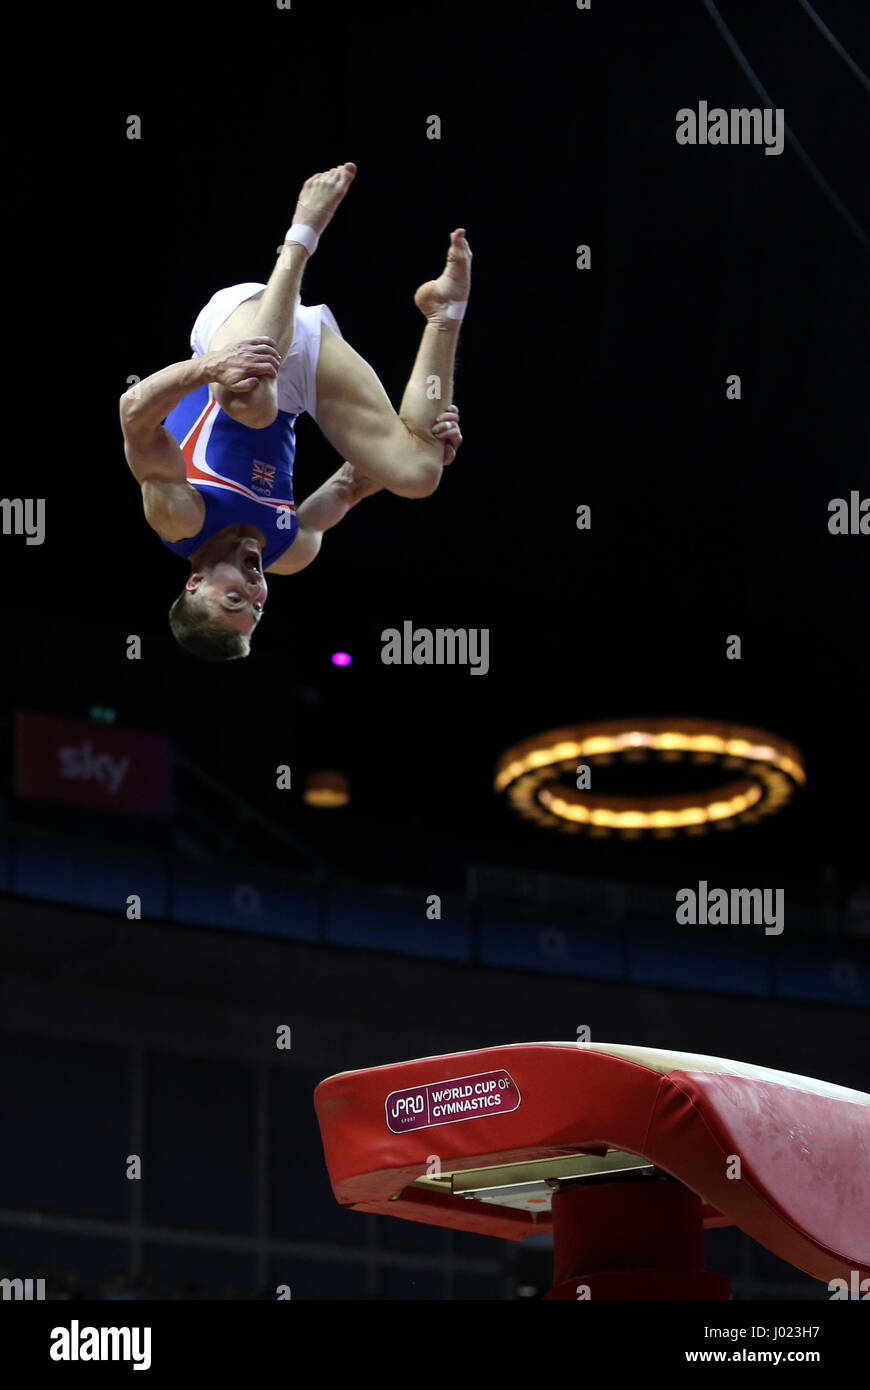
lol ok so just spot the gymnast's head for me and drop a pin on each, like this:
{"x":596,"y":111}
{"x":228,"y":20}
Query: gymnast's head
{"x":220,"y":606}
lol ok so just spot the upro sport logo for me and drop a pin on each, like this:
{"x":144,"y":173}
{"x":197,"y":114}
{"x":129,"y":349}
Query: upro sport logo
{"x":446,"y":1102}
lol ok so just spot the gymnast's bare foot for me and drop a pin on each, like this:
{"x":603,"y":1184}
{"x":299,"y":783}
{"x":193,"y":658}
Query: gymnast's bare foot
{"x":321,"y":195}
{"x":454,"y":283}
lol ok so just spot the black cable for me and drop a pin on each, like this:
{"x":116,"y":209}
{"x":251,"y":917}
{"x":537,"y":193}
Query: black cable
{"x":789,"y":134}
{"x":835,"y":43}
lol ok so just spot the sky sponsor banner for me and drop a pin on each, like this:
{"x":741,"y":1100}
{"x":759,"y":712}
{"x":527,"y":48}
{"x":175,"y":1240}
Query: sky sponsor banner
{"x":83,"y":764}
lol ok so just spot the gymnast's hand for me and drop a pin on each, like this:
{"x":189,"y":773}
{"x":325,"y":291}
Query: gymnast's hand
{"x":241,"y":365}
{"x":356,"y":484}
{"x":446,"y":428}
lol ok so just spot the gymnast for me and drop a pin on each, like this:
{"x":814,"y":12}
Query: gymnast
{"x":211,"y":441}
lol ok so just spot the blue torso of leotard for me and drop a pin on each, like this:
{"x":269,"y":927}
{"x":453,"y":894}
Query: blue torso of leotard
{"x":242,"y":475}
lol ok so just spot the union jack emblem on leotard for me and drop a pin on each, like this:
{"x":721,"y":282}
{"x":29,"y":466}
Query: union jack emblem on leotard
{"x":264,"y":473}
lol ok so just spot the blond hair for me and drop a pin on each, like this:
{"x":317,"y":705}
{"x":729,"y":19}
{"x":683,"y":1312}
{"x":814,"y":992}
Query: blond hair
{"x":195,"y":629}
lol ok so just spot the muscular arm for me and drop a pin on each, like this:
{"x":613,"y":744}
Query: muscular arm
{"x":238,"y":366}
{"x":324,"y":509}
{"x":173,"y":508}
{"x":331,"y":503}
{"x":145,"y":406}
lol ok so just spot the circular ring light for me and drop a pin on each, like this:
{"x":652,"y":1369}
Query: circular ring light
{"x":758,"y":774}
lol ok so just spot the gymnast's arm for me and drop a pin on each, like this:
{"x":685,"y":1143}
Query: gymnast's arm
{"x":332,"y":501}
{"x":173,"y":508}
{"x":321,"y":511}
{"x":239,"y":365}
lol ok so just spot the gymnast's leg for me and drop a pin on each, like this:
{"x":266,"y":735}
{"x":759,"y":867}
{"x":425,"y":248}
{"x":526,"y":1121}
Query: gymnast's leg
{"x":354,"y":412}
{"x":272,"y":312}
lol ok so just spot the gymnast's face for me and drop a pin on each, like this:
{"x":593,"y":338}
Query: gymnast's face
{"x":233,"y":588}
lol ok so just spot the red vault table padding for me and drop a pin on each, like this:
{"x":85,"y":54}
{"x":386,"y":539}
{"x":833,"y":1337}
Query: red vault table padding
{"x":784,"y":1157}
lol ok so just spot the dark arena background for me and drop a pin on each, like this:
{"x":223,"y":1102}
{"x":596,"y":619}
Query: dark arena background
{"x":659,"y":513}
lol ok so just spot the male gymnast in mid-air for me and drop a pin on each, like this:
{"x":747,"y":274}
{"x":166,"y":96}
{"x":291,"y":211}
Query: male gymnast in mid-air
{"x":211,"y":441}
